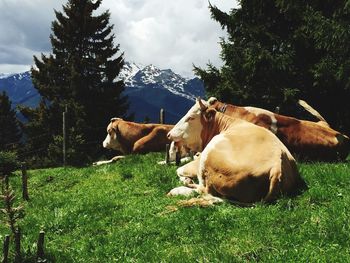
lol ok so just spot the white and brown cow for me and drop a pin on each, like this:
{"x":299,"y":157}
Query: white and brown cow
{"x":240,"y":161}
{"x":305,"y":139}
{"x":131,"y":137}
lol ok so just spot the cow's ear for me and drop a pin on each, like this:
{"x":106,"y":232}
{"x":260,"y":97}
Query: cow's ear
{"x":209,"y":115}
{"x":115,"y":129}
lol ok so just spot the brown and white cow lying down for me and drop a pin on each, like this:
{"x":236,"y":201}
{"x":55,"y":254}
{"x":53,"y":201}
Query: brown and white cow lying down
{"x":131,"y":137}
{"x":240,"y":161}
{"x":314,"y":141}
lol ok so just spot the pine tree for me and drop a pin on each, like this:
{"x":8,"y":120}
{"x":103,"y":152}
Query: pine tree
{"x":278,"y":51}
{"x":10,"y":133}
{"x":79,"y":74}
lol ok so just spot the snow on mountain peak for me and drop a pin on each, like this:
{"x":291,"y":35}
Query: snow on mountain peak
{"x":5,"y":75}
{"x":17,"y":76}
{"x":138,"y":76}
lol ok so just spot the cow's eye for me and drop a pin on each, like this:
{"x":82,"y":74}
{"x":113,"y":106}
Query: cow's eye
{"x":190,"y":118}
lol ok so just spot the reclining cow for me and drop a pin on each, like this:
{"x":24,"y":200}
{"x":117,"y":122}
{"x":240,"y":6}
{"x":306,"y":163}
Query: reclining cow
{"x":305,"y":139}
{"x":240,"y":161}
{"x":130,"y":137}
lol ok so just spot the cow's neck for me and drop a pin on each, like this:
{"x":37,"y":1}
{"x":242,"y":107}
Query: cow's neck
{"x":129,"y":134}
{"x":211,"y":129}
{"x":125,"y":147}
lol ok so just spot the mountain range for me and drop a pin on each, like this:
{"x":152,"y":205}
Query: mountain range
{"x":148,"y":89}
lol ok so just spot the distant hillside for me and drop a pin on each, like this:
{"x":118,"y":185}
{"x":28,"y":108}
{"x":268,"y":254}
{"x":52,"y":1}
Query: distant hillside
{"x":149,"y":89}
{"x":20,"y":89}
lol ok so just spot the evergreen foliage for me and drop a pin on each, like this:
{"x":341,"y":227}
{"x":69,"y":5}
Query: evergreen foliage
{"x":8,"y":163}
{"x":10,"y":133}
{"x":278,"y":51}
{"x":79,"y":74}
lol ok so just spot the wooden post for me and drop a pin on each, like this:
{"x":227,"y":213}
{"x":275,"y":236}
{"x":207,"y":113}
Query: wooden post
{"x":18,"y":257}
{"x":178,"y":157}
{"x":6,"y":249}
{"x":40,"y":247}
{"x":25,"y":194}
{"x":64,"y":136}
{"x":167,"y":157}
{"x":161,"y":116}
{"x":191,"y":155}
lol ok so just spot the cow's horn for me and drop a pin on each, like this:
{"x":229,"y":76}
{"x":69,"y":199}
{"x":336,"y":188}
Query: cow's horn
{"x":203,"y":107}
{"x":115,"y":119}
{"x":212,"y":100}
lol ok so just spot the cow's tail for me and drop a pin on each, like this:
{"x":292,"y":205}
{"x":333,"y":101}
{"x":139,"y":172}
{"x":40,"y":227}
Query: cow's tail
{"x":314,"y":112}
{"x":344,"y":146}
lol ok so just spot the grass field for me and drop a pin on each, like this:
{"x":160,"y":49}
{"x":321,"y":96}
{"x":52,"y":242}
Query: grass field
{"x":120,"y":213}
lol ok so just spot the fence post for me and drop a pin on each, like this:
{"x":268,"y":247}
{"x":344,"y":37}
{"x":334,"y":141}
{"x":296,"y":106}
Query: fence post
{"x":6,"y":249}
{"x":25,"y":194}
{"x":178,"y":157}
{"x":64,"y":136}
{"x":40,"y":247}
{"x":167,"y":157}
{"x":18,"y":257}
{"x":161,"y":116}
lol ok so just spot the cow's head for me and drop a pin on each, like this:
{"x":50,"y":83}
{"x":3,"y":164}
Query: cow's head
{"x":177,"y":147}
{"x":111,"y":141}
{"x":188,"y":130}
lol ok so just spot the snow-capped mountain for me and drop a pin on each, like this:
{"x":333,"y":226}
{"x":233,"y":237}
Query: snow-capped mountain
{"x":137,"y":76}
{"x":148,"y":88}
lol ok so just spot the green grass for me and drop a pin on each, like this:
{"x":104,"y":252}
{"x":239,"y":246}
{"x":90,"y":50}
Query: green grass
{"x":120,"y":213}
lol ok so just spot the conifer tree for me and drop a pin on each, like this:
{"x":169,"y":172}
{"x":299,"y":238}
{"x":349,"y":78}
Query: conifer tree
{"x":277,"y":51}
{"x":10,"y":133}
{"x":80,"y":75}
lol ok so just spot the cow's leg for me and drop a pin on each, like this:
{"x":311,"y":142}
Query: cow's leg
{"x":275,"y":184}
{"x":188,"y":172}
{"x":151,"y":142}
{"x":114,"y":159}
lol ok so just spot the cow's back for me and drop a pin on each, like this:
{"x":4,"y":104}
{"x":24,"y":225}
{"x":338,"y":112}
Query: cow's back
{"x":312,"y":140}
{"x":305,"y":139}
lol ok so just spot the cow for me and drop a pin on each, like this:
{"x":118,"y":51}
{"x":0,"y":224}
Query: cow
{"x":239,"y":161}
{"x":131,"y":137}
{"x":174,"y":150}
{"x":307,"y":140}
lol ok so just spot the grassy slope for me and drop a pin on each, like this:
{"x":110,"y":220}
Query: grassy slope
{"x":120,"y":212}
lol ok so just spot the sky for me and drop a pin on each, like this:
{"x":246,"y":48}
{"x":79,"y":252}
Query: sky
{"x":165,"y":33}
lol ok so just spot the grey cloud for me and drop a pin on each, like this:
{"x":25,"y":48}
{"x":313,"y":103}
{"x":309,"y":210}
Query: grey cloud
{"x":25,"y":28}
{"x":169,"y":34}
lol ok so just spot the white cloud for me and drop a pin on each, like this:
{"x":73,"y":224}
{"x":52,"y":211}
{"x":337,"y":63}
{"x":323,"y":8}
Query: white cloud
{"x":169,"y":34}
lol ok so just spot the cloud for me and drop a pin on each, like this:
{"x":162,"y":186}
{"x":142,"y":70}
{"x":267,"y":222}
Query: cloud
{"x":25,"y":28}
{"x":169,"y":34}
